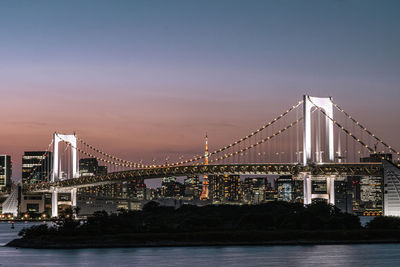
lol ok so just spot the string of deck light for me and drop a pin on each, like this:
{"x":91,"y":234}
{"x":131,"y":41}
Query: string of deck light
{"x":228,"y":155}
{"x":104,"y":160}
{"x":124,"y":163}
{"x":197,"y":158}
{"x":343,"y":129}
{"x":138,"y":165}
{"x":365,"y":129}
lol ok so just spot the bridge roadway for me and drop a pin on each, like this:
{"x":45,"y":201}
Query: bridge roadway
{"x":338,"y":169}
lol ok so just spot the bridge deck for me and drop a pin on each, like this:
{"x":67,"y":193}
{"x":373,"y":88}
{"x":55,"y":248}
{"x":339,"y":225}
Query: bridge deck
{"x":339,"y":169}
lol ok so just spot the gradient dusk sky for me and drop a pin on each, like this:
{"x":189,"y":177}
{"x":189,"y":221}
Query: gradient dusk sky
{"x":144,"y":78}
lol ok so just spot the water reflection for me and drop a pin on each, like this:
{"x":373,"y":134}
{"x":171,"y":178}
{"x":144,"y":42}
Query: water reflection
{"x":326,"y":255}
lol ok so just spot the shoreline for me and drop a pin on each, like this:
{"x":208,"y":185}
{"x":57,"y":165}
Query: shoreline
{"x":197,"y":239}
{"x":39,"y":244}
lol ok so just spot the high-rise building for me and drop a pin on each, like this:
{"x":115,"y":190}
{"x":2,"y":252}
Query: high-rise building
{"x":289,"y":189}
{"x":343,"y":195}
{"x":355,"y":191}
{"x":5,"y":172}
{"x":36,"y":167}
{"x":192,"y":187}
{"x":224,"y":188}
{"x":231,"y":188}
{"x":257,"y":190}
{"x":367,"y":194}
{"x":170,"y":188}
{"x":216,"y":187}
{"x":371,"y":189}
{"x":91,"y":167}
{"x":88,"y":167}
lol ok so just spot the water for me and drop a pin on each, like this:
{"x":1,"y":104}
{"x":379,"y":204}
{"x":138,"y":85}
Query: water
{"x":327,"y":255}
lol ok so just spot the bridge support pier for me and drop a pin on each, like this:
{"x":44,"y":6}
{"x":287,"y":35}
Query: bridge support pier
{"x":54,"y":202}
{"x":330,"y":189}
{"x":73,"y":201}
{"x":73,"y":197}
{"x":307,"y":188}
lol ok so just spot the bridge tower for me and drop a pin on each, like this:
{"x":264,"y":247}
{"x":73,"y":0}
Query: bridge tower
{"x":72,"y":140}
{"x":324,"y":103}
{"x":204,"y":193}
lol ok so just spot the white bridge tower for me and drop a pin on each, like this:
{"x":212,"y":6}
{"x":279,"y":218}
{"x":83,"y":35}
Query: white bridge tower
{"x":324,"y":103}
{"x":71,"y":139}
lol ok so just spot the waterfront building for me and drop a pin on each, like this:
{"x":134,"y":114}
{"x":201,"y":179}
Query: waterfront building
{"x":366,"y":194}
{"x":371,"y":195}
{"x":32,"y":203}
{"x":391,"y":189}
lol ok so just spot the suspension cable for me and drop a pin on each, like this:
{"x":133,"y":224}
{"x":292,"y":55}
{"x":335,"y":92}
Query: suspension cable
{"x":228,"y":155}
{"x":109,"y":155}
{"x":365,"y":129}
{"x":242,"y":139}
{"x":341,"y":127}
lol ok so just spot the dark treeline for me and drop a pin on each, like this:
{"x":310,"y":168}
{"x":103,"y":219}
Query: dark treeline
{"x":157,"y":219}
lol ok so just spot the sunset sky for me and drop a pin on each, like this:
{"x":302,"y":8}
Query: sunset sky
{"x":143,"y":79}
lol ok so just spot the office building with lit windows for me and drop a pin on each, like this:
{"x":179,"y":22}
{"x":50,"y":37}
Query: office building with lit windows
{"x":36,"y":167}
{"x":5,"y":172}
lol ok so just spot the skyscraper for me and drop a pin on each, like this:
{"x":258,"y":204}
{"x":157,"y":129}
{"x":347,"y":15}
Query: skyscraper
{"x":343,"y":195}
{"x":231,"y":188}
{"x":257,"y":190}
{"x":36,"y":167}
{"x":291,"y":190}
{"x":216,"y":187}
{"x":224,"y":188}
{"x":5,"y":172}
{"x":88,"y":167}
{"x":192,"y":187}
{"x":170,"y":188}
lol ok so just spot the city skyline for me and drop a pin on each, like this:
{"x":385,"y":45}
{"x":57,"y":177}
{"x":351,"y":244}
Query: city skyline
{"x":143,"y":80}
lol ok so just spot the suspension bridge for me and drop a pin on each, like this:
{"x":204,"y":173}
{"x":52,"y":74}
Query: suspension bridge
{"x":313,"y":139}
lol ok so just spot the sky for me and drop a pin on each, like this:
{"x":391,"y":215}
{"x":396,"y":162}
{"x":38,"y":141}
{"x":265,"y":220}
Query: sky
{"x":144,"y":79}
